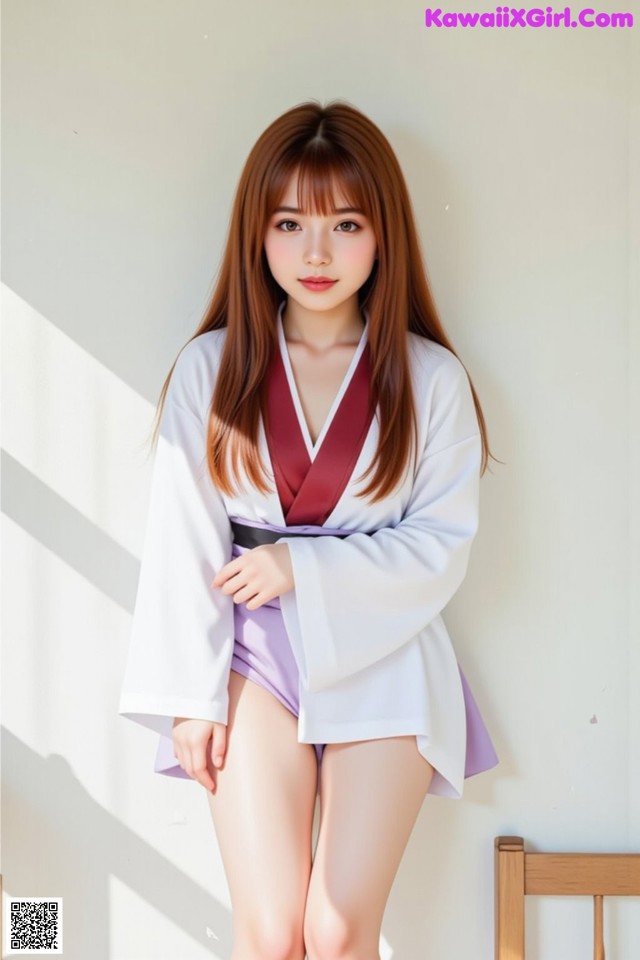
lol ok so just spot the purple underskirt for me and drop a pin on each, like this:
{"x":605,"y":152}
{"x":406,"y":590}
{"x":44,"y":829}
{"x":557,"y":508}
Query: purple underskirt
{"x":262,"y":653}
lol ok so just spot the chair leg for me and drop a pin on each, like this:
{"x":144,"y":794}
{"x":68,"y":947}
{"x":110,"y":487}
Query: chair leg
{"x":598,"y":928}
{"x":509,"y":898}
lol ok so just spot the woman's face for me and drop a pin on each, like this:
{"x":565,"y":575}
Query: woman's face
{"x":340,"y":247}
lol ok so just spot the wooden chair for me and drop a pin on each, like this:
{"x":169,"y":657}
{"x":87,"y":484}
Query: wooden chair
{"x":518,"y":873}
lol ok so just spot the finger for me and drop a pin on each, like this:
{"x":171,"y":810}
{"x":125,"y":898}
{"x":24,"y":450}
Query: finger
{"x":177,"y":751}
{"x":199,"y":769}
{"x":235,"y":583}
{"x":247,"y":593}
{"x":258,"y":600}
{"x":229,"y":569}
{"x":219,"y":745}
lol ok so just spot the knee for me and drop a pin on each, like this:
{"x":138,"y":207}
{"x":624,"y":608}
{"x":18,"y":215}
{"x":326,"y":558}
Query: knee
{"x":272,"y":938}
{"x":331,"y":933}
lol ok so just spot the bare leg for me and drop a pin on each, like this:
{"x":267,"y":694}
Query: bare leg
{"x":263,"y":815}
{"x":370,"y":794}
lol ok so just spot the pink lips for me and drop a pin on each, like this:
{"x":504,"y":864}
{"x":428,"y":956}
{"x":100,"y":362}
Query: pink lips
{"x":317,"y":283}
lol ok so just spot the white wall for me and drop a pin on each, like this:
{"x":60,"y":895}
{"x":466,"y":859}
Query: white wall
{"x":125,"y":125}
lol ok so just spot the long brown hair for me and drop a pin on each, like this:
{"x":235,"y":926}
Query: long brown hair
{"x":334,"y":144}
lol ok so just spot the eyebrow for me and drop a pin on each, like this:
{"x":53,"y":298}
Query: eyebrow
{"x":337,"y":210}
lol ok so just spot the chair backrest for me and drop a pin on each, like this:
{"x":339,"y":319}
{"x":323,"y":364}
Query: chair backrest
{"x":518,"y":873}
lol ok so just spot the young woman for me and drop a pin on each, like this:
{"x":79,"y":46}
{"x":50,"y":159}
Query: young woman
{"x":313,"y":504}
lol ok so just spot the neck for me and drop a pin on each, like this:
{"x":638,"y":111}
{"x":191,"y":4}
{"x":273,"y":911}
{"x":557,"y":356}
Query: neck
{"x":324,"y":330}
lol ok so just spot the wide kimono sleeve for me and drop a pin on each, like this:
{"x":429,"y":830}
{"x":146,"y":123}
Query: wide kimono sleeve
{"x":359,"y":599}
{"x":182,"y":635}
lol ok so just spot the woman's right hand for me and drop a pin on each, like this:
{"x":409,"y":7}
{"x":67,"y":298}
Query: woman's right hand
{"x":200,"y":747}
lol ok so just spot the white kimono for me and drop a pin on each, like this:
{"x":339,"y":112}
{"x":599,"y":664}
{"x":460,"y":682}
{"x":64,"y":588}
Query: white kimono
{"x":374,"y":656}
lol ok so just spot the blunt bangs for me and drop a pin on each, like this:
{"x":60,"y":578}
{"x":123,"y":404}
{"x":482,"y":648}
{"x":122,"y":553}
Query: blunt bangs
{"x":321,"y":179}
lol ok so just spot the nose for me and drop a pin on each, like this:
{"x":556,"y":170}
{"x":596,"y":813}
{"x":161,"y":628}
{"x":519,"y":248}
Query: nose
{"x":317,"y":249}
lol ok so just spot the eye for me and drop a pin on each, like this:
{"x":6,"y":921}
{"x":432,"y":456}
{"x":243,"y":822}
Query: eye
{"x":281,"y":225}
{"x":349,"y":223}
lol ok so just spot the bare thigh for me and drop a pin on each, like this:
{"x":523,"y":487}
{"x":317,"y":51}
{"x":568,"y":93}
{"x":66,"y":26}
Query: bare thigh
{"x":262,"y":812}
{"x":370,"y":795}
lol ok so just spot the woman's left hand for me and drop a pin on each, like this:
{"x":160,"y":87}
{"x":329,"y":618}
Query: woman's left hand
{"x":258,"y":575}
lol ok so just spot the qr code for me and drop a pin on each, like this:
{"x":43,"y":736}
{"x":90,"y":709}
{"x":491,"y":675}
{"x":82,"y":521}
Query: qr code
{"x":35,"y":925}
